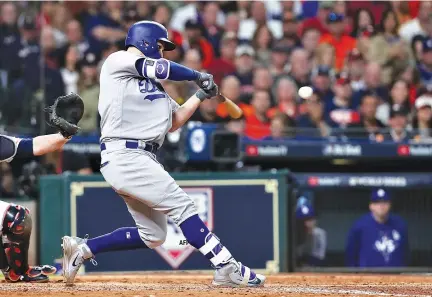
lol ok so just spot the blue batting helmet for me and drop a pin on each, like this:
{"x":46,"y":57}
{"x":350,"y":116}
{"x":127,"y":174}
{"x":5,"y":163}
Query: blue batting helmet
{"x":145,"y":35}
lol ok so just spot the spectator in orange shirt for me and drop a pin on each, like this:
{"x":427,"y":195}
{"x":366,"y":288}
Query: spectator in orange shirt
{"x":343,"y":43}
{"x":230,"y":87}
{"x":224,"y":65}
{"x":258,"y":124}
{"x":194,"y":38}
{"x":285,"y":95}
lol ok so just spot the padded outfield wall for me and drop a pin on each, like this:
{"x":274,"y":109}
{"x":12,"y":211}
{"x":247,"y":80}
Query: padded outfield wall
{"x":248,"y":211}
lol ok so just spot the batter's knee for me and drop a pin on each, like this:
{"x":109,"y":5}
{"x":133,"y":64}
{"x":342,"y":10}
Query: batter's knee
{"x":153,"y":240}
{"x":177,"y":205}
{"x":183,"y":211}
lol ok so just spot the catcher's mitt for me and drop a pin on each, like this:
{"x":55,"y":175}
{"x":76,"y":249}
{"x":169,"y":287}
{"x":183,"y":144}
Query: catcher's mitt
{"x":65,"y":114}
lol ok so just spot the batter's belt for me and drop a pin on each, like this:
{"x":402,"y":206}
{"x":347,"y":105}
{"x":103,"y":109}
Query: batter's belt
{"x":150,"y":147}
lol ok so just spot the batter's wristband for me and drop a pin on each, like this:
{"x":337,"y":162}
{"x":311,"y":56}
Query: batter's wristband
{"x":201,"y":95}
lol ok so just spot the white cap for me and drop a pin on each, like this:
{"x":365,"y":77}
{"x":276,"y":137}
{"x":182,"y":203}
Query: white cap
{"x":244,"y":49}
{"x":422,"y":101}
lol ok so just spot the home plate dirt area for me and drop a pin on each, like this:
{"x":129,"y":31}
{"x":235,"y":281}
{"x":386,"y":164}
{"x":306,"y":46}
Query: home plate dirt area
{"x":192,"y":284}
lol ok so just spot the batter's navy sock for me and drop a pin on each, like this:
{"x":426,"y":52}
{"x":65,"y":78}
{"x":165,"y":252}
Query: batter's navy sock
{"x":126,"y":238}
{"x":200,"y":237}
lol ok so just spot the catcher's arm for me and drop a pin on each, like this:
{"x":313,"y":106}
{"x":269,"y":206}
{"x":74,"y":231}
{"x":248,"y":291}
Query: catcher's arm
{"x":11,"y":147}
{"x":45,"y":144}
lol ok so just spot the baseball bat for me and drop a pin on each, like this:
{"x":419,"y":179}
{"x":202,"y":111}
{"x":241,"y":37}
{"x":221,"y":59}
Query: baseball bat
{"x":233,"y":109}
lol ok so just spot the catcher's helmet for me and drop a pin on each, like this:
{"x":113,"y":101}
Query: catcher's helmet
{"x":144,"y":36}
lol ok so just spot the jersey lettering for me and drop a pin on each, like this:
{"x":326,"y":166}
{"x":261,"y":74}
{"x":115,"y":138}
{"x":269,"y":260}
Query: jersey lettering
{"x":150,"y":90}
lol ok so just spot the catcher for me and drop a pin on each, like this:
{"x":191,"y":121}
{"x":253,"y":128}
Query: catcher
{"x":15,"y":220}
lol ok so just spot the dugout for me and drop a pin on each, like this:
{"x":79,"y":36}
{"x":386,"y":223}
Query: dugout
{"x":339,"y":176}
{"x":340,"y":199}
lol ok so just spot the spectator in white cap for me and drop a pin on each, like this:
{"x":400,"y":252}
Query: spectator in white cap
{"x":422,"y":121}
{"x":245,"y":63}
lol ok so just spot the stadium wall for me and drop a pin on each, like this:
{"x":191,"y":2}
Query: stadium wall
{"x":229,"y":203}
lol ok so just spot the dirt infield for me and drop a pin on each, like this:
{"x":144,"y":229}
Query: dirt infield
{"x":186,"y":284}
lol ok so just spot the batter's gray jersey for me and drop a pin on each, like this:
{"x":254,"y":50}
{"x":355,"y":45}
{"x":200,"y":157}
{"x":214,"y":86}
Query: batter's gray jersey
{"x":132,"y":106}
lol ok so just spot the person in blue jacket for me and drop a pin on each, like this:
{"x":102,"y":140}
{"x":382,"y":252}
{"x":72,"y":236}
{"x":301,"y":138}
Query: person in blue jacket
{"x":379,"y":238}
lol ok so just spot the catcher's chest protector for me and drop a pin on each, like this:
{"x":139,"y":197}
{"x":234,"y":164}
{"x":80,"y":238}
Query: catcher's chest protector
{"x":8,"y":148}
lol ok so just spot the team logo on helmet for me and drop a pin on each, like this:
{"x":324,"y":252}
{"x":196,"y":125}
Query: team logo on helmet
{"x":176,"y":250}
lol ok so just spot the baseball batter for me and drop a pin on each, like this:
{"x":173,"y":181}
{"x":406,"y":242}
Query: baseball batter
{"x":136,"y":114}
{"x":15,"y":220}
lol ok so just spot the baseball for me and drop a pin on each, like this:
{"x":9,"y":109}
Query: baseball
{"x":305,"y":92}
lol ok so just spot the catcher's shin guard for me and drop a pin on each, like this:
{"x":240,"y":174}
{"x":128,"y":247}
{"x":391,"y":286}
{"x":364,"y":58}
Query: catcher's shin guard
{"x":17,"y":227}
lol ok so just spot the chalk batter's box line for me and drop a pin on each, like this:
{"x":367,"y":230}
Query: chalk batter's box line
{"x":271,"y":186}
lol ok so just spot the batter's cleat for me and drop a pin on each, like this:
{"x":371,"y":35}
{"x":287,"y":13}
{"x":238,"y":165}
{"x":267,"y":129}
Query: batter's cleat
{"x":235,"y":274}
{"x":74,"y":255}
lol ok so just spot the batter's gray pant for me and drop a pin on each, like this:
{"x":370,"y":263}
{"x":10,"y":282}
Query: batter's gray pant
{"x":148,"y":190}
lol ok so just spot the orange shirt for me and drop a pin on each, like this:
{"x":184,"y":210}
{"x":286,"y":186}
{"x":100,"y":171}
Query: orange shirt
{"x":342,"y":47}
{"x":255,"y":128}
{"x":223,"y":112}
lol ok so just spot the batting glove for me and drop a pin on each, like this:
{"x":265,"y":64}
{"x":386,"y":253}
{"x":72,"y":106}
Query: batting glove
{"x":205,"y":81}
{"x":202,"y":94}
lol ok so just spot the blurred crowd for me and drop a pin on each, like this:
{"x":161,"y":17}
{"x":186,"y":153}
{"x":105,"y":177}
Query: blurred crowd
{"x":369,"y":63}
